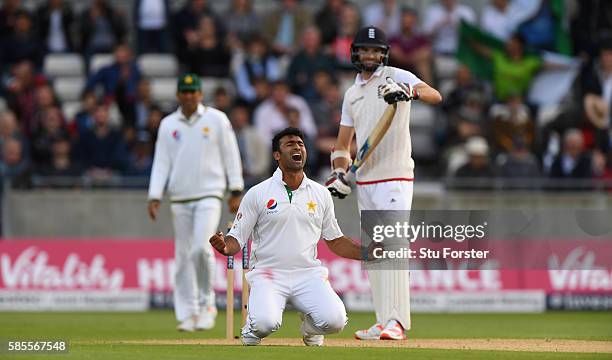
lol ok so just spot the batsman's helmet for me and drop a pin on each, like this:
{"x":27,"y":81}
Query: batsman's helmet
{"x":369,"y":36}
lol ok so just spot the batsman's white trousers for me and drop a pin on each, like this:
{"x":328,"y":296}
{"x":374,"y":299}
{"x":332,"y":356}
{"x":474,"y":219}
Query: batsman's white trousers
{"x":390,"y":288}
{"x":308,"y":290}
{"x":194,"y":223}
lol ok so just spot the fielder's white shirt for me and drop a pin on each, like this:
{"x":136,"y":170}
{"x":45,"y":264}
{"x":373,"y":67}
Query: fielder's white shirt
{"x":285,"y":231}
{"x":362,"y":108}
{"x":197,"y":157}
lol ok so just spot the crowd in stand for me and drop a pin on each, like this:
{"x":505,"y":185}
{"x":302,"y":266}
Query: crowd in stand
{"x":289,"y":67}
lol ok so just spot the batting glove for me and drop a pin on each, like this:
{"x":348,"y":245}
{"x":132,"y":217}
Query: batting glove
{"x":337,"y":184}
{"x":394,"y":92}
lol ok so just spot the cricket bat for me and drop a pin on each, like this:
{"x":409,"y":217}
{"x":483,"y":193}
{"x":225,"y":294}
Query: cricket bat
{"x":376,"y":135}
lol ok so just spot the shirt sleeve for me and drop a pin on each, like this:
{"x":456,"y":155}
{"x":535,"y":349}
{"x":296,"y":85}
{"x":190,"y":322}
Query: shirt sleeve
{"x":231,"y":156}
{"x":406,"y":77}
{"x":330,"y":229}
{"x":345,"y":118}
{"x":162,"y":164}
{"x":245,"y":219}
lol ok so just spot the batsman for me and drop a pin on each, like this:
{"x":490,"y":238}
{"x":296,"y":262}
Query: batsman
{"x":285,"y":216}
{"x":385,"y":180}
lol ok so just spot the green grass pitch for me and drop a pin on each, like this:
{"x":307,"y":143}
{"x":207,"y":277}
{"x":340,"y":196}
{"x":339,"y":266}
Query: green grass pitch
{"x":99,"y":336}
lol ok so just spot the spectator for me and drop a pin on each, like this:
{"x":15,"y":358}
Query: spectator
{"x":465,"y":86}
{"x":222,"y":99}
{"x":140,"y":158}
{"x":119,"y":80}
{"x":292,"y":115}
{"x":254,"y":152}
{"x":185,"y":25}
{"x":153,"y":121}
{"x":102,"y":29}
{"x":306,"y":63}
{"x":283,"y":26}
{"x":328,"y":18}
{"x":442,"y":24}
{"x":478,"y":164}
{"x":136,"y":117}
{"x":596,"y":81}
{"x":55,"y":22}
{"x":10,"y":130}
{"x":467,"y":121}
{"x":573,"y":162}
{"x":8,"y":13}
{"x":518,"y":163}
{"x":207,"y":53}
{"x":14,"y":166}
{"x":509,"y":121}
{"x":44,"y":99}
{"x":84,"y":118}
{"x":61,"y":164}
{"x":348,"y":26}
{"x":513,"y":70}
{"x":497,"y":20}
{"x":411,"y":50}
{"x":243,"y":23}
{"x":270,"y":115}
{"x":152,"y":20}
{"x":257,"y":63}
{"x":591,"y":19}
{"x":102,"y":149}
{"x":21,"y":90}
{"x":385,"y":15}
{"x":22,"y":44}
{"x":52,"y":128}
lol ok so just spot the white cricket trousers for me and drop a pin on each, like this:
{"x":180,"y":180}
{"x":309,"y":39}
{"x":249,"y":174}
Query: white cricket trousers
{"x":390,"y":288}
{"x":308,"y":290}
{"x":194,"y":223}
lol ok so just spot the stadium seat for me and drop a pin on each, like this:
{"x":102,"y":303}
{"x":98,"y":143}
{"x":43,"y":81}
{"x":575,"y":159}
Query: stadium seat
{"x":68,"y":88}
{"x":99,"y":61}
{"x":158,"y":65}
{"x":163,"y":89}
{"x":445,"y":66}
{"x":70,"y":109}
{"x":56,"y":65}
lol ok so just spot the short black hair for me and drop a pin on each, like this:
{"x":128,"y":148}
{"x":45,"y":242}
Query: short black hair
{"x":285,"y":132}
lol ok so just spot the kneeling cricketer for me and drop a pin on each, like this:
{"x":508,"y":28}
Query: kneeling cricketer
{"x":285,"y":216}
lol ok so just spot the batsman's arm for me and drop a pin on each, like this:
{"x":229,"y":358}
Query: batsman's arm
{"x":343,"y":144}
{"x":427,"y":94}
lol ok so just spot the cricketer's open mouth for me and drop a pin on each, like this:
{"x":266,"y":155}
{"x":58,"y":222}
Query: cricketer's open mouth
{"x":296,"y":157}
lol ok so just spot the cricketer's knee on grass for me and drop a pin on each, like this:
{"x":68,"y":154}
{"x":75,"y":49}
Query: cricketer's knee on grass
{"x":264,"y":323}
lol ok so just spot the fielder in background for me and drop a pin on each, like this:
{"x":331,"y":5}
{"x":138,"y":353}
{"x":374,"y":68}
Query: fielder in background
{"x":196,"y":154}
{"x":285,"y":216}
{"x":384,"y":181}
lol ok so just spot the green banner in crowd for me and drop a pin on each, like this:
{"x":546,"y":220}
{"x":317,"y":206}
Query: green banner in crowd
{"x":478,"y":64}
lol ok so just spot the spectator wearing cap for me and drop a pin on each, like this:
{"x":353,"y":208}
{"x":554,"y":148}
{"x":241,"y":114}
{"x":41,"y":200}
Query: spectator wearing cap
{"x":411,"y":50}
{"x":478,"y":165}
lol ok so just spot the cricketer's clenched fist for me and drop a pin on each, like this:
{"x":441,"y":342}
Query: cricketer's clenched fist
{"x":218,"y":242}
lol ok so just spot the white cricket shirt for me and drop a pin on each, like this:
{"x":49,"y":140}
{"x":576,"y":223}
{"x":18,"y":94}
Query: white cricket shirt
{"x":285,"y":226}
{"x":362,"y":108}
{"x":197,"y":157}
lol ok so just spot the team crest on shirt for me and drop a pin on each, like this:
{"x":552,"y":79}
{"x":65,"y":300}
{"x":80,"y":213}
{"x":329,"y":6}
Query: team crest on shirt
{"x":271,"y":205}
{"x":311,"y":207}
{"x":205,"y":131}
{"x":176,"y":135}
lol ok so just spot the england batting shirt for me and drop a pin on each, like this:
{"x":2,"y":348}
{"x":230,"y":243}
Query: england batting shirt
{"x":362,"y":108}
{"x":285,"y":225}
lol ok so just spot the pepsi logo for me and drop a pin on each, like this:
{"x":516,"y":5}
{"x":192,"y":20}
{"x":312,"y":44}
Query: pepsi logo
{"x":176,"y":135}
{"x":271,"y":204}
